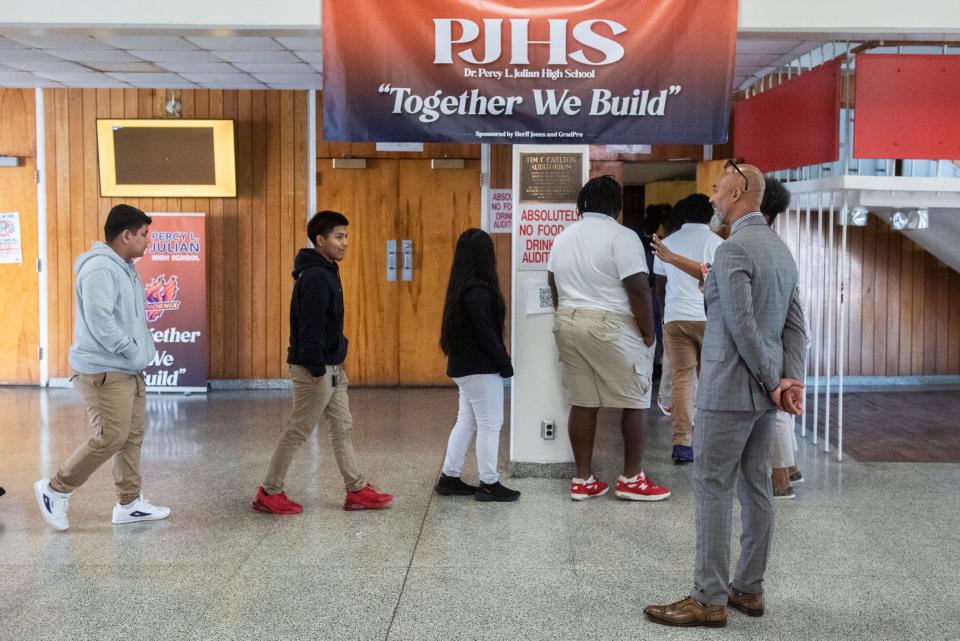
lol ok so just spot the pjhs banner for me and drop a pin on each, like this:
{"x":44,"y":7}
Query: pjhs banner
{"x":528,"y":71}
{"x":174,"y":274}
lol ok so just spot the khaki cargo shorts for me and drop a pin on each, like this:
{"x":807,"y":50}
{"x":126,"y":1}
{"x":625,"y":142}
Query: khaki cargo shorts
{"x":603,"y":359}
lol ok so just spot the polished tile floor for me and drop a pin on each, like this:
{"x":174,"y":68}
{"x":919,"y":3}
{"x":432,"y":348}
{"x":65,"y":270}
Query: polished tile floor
{"x":867,"y":551}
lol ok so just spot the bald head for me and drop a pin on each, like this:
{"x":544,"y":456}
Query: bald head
{"x":737,"y":193}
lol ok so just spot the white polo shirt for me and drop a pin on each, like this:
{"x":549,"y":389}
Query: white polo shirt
{"x":590,"y":258}
{"x":684,"y":299}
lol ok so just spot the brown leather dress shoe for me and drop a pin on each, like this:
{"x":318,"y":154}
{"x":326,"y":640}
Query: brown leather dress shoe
{"x":688,"y":612}
{"x":750,"y":603}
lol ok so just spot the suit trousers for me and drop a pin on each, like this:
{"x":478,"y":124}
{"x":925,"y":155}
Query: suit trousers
{"x":732,"y":448}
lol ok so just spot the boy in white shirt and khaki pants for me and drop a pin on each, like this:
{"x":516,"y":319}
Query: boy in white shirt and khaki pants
{"x":684,"y":317}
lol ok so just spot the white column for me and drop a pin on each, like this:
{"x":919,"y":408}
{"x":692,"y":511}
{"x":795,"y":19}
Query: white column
{"x":537,"y":392}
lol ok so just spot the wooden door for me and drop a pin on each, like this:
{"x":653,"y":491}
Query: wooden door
{"x":20,"y":284}
{"x":368,"y":198}
{"x":436,"y":206}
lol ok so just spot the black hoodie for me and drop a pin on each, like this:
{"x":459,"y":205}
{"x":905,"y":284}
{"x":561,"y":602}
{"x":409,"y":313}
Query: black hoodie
{"x":316,"y":314}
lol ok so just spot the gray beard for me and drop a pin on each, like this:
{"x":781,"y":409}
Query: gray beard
{"x":716,"y":223}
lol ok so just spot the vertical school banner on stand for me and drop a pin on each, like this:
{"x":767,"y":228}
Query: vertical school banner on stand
{"x":529,"y":71}
{"x":174,"y":274}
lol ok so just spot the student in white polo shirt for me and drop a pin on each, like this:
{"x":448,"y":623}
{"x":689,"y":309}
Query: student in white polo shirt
{"x":605,"y":335}
{"x":684,"y":318}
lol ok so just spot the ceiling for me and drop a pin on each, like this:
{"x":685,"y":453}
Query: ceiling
{"x":267,"y":60}
{"x":160,"y":61}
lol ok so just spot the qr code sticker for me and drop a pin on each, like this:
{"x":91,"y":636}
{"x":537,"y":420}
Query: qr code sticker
{"x":546,"y":300}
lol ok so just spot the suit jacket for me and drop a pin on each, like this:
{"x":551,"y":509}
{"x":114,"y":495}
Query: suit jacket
{"x":755,"y":333}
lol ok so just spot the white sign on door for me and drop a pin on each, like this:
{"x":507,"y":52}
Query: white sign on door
{"x":501,"y":211}
{"x":11,"y":246}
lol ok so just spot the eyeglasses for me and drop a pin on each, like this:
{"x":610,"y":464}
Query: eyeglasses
{"x":746,"y":183}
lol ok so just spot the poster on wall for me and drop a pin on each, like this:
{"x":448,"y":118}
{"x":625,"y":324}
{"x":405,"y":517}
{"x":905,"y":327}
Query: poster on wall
{"x":11,"y":243}
{"x":548,"y":189}
{"x":174,"y":274}
{"x":501,"y":211}
{"x":529,"y":71}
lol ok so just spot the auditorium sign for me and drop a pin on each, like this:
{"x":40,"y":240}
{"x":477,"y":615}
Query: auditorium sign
{"x":528,"y":71}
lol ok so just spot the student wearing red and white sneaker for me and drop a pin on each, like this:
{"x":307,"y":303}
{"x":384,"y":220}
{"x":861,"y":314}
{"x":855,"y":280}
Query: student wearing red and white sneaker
{"x":315,"y":358}
{"x":604,"y":332}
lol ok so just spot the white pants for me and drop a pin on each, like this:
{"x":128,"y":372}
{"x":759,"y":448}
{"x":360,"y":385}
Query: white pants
{"x":480,"y":413}
{"x":784,"y":441}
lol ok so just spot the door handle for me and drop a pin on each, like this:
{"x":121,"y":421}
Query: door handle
{"x":391,"y":261}
{"x":406,"y":246}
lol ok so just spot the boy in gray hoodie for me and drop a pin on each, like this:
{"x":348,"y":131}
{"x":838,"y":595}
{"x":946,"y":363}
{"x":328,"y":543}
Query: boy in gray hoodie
{"x":112,"y":345}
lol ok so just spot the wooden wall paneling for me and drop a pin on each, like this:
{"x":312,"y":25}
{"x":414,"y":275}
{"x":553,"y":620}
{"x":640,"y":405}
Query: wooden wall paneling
{"x":274,"y":191}
{"x":892,"y":351}
{"x":295,"y":216}
{"x":53,"y":260}
{"x":78,"y":242}
{"x":501,"y":177}
{"x":231,"y":254}
{"x":931,"y":293}
{"x":880,"y":304}
{"x":64,"y":293}
{"x":288,"y":164}
{"x":953,"y":363}
{"x":942,"y":338}
{"x":905,"y":346}
{"x":436,"y":206}
{"x":869,"y":291}
{"x":916,"y":336}
{"x":262,"y":197}
{"x":245,"y":233}
{"x":854,"y":298}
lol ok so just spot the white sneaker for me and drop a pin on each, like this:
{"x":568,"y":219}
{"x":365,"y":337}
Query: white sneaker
{"x":53,"y":505}
{"x":666,"y":409}
{"x":139,"y":510}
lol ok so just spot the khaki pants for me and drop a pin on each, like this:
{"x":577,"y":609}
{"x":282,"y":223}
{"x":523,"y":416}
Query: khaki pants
{"x":682,"y":341}
{"x":313,"y":396}
{"x":116,"y":406}
{"x":604,"y":362}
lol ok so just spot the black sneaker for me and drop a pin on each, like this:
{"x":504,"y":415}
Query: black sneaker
{"x":496,"y":492}
{"x":454,"y":486}
{"x":796,"y":477}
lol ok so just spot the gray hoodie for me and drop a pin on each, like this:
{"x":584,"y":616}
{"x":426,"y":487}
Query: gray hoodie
{"x":110,"y":333}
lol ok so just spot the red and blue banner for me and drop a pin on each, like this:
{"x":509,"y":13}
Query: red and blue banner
{"x":528,"y":71}
{"x":174,"y":274}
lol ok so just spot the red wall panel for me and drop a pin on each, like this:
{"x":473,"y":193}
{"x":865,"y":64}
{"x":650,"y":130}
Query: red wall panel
{"x":907,"y":107}
{"x":794,"y":124}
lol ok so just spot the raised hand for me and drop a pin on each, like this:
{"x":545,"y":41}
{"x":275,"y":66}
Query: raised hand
{"x":660,"y":250}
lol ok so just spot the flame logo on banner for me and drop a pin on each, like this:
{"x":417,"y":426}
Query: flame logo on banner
{"x":161,"y":294}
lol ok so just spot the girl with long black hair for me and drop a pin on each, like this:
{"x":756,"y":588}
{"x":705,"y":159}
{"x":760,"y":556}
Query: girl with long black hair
{"x":472,"y":338}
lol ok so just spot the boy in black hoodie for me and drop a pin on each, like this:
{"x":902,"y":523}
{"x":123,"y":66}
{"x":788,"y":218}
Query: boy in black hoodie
{"x":315,"y":358}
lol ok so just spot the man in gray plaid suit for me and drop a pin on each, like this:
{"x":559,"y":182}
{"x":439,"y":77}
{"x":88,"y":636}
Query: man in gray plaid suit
{"x":752,"y":363}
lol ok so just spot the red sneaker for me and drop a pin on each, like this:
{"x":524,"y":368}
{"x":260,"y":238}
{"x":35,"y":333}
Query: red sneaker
{"x":640,"y":488}
{"x":366,"y":499}
{"x":581,"y":490}
{"x":275,"y":504}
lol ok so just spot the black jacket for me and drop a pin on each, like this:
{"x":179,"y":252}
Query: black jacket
{"x":316,"y":314}
{"x":480,"y":349}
